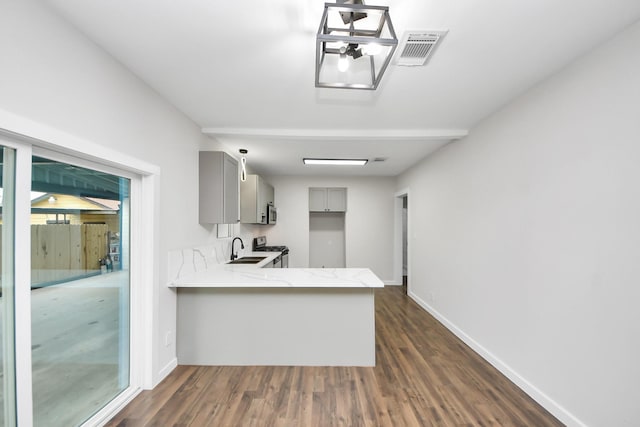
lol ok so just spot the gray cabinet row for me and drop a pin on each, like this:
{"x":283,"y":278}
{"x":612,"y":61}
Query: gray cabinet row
{"x":223,"y":201}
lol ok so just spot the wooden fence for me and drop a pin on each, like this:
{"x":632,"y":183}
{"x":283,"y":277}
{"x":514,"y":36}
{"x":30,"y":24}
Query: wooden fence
{"x":64,"y":251}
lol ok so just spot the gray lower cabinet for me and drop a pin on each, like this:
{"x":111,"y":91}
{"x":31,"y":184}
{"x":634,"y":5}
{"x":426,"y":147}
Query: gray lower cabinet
{"x":327,"y":199}
{"x":218,"y":188}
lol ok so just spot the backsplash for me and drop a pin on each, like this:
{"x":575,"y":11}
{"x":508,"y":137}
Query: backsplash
{"x":184,"y":262}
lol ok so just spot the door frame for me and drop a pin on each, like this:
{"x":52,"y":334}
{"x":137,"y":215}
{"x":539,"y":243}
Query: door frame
{"x":397,"y":237}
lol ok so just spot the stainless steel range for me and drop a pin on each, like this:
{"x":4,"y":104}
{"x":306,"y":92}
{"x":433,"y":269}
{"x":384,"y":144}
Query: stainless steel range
{"x":260,"y":245}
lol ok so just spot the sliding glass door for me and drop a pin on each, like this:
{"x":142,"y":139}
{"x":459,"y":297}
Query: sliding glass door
{"x":79,"y":290}
{"x":65,"y":290}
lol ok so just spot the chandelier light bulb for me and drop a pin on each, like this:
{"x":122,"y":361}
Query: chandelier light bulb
{"x":343,"y":62}
{"x":372,"y":49}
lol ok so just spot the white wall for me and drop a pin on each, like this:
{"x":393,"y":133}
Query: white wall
{"x":525,"y":237}
{"x":368,"y":220}
{"x":54,"y":76}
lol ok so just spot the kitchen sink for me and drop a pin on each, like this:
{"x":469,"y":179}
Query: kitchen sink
{"x":247,"y":260}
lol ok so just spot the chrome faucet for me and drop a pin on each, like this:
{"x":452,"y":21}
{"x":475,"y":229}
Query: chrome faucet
{"x":233,"y":255}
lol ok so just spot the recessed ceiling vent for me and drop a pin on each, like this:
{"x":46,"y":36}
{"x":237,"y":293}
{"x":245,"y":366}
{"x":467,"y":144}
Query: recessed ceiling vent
{"x":380,"y":159}
{"x":417,"y":46}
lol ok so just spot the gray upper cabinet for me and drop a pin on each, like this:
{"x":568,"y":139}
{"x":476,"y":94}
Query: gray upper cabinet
{"x":255,"y":195}
{"x":218,"y":187}
{"x":331,"y":199}
{"x":317,"y":199}
{"x":337,"y":199}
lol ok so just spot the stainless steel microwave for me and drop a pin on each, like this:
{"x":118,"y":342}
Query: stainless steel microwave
{"x":272,"y":214}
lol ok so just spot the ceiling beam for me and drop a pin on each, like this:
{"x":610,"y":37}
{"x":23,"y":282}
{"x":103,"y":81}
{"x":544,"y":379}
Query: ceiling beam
{"x":340,"y":134}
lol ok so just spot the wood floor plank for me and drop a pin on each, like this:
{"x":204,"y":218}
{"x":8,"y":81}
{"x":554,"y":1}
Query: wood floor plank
{"x":424,"y":376}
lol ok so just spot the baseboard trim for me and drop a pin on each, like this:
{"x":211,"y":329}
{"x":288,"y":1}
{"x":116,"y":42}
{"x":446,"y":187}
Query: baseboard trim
{"x":391,"y":283}
{"x":164,"y":372}
{"x":536,"y":394}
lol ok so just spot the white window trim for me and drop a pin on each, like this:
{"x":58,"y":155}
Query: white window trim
{"x":29,"y":137}
{"x":22,"y":280}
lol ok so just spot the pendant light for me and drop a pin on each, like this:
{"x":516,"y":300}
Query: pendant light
{"x":243,"y":163}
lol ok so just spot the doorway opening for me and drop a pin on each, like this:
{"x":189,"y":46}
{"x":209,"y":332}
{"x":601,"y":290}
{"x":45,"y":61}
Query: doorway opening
{"x":405,"y":243}
{"x":402,"y":264}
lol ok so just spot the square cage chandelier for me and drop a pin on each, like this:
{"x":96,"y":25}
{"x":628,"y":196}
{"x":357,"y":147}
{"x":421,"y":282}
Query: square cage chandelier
{"x":354,"y":45}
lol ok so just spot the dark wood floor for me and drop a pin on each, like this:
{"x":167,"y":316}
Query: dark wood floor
{"x":424,"y":376}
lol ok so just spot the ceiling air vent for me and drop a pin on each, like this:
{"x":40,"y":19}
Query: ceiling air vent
{"x":417,"y":46}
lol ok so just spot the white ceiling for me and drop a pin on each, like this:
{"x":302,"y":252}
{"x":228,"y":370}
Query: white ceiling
{"x":244,"y":70}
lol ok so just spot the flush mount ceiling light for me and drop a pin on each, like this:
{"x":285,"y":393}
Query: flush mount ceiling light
{"x":336,"y":162}
{"x":354,"y":45}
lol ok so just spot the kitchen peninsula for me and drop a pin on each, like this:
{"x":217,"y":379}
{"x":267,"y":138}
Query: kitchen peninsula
{"x":247,"y":315}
